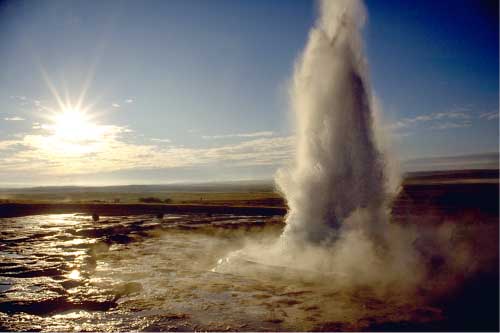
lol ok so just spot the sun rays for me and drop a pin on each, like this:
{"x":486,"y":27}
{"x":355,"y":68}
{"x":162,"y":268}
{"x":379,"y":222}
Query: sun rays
{"x":74,"y":125}
{"x":71,"y":127}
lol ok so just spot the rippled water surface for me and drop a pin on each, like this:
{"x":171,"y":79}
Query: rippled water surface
{"x":65,"y":272}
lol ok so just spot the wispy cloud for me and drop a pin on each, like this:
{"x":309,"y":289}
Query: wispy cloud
{"x":460,"y":117}
{"x":9,"y":144}
{"x":13,"y":118}
{"x":46,"y":154}
{"x":161,"y":140}
{"x":240,"y":135}
{"x":451,"y":124}
{"x":22,"y":101}
{"x":27,"y":102}
{"x":115,"y":105}
{"x":489,"y":115}
{"x":129,"y":100}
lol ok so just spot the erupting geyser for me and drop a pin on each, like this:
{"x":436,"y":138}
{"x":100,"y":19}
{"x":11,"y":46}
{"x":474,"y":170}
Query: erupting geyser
{"x":338,"y":236}
{"x":336,"y":188}
{"x":338,"y":169}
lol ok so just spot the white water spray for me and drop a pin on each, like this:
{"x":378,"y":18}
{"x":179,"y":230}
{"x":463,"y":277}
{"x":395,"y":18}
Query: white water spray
{"x":338,"y":188}
{"x":338,"y":169}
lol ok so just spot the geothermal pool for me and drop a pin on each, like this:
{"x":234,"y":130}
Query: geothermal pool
{"x":64,"y":272}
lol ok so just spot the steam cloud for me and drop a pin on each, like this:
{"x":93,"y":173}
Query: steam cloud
{"x":338,"y":167}
{"x":340,"y":185}
{"x":342,"y":181}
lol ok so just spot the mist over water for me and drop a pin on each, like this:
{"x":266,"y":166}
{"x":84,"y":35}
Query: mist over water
{"x":338,"y":167}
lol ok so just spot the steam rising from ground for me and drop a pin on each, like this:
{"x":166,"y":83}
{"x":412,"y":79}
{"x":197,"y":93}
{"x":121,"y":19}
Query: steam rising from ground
{"x":338,"y":189}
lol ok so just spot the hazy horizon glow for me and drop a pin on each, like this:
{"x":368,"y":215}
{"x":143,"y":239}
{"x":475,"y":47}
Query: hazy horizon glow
{"x":162,"y":92}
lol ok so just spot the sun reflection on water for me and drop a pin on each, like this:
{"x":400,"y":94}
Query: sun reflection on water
{"x":75,"y":274}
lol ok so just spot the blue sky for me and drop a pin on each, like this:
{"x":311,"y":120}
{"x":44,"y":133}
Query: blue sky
{"x":197,"y":90}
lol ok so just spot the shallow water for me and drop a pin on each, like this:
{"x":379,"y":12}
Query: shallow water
{"x":64,"y":272}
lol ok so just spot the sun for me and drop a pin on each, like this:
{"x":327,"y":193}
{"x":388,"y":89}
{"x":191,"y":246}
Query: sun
{"x":71,"y":123}
{"x":72,"y":131}
{"x":74,"y":125}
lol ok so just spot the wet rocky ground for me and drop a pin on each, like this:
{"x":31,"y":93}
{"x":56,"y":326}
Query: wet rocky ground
{"x":64,"y":272}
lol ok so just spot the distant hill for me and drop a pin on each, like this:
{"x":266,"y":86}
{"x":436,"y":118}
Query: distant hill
{"x":230,"y":186}
{"x":239,"y":186}
{"x":457,"y":162}
{"x":450,"y":175}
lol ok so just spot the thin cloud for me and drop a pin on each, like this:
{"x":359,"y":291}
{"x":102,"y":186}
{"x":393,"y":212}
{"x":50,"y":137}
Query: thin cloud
{"x":13,"y":119}
{"x":451,"y":115}
{"x":449,"y":124}
{"x":115,"y":105}
{"x":240,"y":135}
{"x":129,"y":100}
{"x":161,"y":140}
{"x":489,"y":115}
{"x":9,"y":144}
{"x":21,"y":98}
{"x":45,"y":154}
{"x":24,"y":101}
{"x":434,"y":118}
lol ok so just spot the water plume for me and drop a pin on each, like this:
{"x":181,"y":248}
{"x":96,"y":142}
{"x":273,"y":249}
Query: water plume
{"x":339,"y":188}
{"x":338,"y":168}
